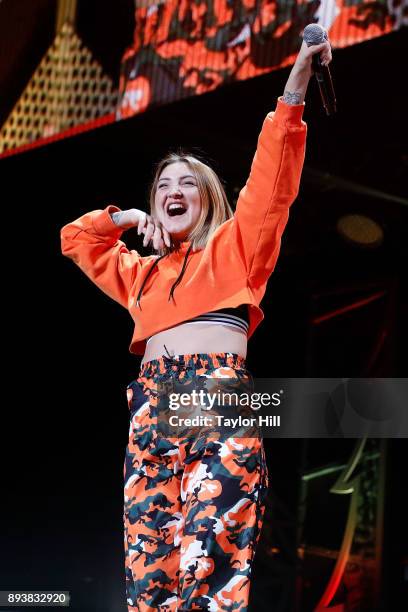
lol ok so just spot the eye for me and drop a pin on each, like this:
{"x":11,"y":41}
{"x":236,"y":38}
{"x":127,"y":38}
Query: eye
{"x":162,"y":185}
{"x":189,"y":183}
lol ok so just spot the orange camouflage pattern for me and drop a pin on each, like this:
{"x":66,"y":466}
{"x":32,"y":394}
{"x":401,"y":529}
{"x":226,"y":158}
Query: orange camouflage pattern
{"x":193,"y":507}
{"x":189,"y":47}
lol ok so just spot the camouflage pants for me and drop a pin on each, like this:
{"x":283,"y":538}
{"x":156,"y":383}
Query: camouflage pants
{"x":193,"y":508}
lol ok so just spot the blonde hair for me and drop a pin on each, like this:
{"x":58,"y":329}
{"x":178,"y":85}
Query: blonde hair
{"x":215,"y":208}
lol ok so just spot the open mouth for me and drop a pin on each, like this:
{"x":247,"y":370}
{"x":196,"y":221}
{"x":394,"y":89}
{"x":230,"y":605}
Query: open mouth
{"x":176,"y":210}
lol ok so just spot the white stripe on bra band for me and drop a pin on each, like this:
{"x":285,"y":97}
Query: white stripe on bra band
{"x":217,"y":319}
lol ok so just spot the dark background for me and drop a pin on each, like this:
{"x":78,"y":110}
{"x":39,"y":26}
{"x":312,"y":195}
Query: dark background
{"x":65,"y":343}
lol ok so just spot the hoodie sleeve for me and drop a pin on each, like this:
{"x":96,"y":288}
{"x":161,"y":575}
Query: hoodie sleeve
{"x":92,"y":242}
{"x":263,"y":205}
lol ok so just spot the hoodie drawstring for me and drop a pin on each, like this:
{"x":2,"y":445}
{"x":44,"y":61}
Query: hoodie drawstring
{"x":176,"y":282}
{"x":139,"y":296}
{"x":180,"y":276}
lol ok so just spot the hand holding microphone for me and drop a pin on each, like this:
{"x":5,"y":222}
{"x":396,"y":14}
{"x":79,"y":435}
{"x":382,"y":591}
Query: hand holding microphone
{"x":316,"y":44}
{"x":314,"y":57}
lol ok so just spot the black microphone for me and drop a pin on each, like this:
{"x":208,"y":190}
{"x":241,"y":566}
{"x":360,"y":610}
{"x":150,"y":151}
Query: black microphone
{"x":314,"y":34}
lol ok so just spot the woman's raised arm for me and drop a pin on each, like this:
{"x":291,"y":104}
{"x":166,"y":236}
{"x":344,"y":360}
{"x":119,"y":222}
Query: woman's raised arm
{"x":263,"y":205}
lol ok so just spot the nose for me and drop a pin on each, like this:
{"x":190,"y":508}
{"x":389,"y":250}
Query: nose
{"x":175,"y":192}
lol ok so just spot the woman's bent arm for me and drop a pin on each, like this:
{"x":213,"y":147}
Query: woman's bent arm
{"x":92,"y":242}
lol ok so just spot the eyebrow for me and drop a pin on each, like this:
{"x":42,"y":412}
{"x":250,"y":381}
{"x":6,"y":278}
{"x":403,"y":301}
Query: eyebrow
{"x":166,"y":178}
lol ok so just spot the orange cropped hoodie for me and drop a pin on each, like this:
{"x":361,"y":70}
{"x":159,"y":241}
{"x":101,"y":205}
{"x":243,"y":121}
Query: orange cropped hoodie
{"x":235,"y":264}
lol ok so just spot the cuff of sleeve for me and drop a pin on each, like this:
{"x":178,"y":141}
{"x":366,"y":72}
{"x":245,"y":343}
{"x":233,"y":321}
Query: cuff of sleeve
{"x":103,"y":223}
{"x":289,"y":113}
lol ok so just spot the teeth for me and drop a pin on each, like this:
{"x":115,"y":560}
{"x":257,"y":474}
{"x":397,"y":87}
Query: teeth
{"x":175,"y":209}
{"x":175,"y":206}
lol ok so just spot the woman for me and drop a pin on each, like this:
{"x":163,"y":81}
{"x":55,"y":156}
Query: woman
{"x":194,"y":505}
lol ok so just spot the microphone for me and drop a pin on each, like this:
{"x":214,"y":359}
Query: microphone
{"x":314,"y":34}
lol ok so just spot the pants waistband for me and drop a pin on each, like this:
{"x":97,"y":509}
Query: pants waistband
{"x":193,"y":361}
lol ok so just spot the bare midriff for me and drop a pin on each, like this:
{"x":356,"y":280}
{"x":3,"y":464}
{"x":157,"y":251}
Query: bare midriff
{"x":190,"y":338}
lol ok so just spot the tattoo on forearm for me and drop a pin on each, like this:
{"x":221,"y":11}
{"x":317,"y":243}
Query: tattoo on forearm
{"x":116,"y":217}
{"x":291,"y":97}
